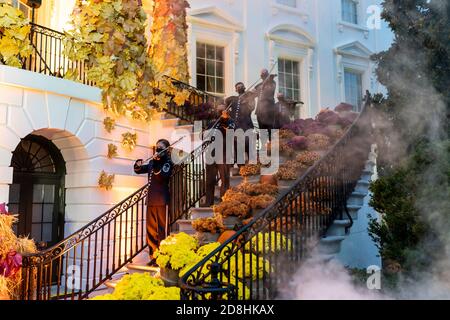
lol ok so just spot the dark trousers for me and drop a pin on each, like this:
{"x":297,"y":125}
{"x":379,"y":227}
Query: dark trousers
{"x":266,"y":126}
{"x":157,"y":229}
{"x":211,"y":173}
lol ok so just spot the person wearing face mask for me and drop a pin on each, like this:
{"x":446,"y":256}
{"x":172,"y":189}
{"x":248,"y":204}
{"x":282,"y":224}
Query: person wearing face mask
{"x":242,"y":107}
{"x":224,"y":123}
{"x":159,"y":170}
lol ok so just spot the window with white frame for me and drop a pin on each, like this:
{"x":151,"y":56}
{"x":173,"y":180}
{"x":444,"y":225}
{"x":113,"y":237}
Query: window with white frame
{"x":290,"y":3}
{"x":210,"y":68}
{"x":350,"y":11}
{"x":353,"y":88}
{"x":22,"y":7}
{"x":289,"y":78}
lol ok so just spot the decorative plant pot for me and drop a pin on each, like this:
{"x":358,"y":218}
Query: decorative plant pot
{"x":206,"y":237}
{"x":227,"y":234}
{"x":230,"y":222}
{"x":169,"y":276}
{"x":251,"y":179}
{"x":269,"y":179}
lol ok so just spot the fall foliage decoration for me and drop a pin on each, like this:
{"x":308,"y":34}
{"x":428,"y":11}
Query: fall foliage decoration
{"x":105,"y":180}
{"x":318,"y":141}
{"x":307,"y":158}
{"x":168,"y":50}
{"x":287,"y":173}
{"x":112,"y":151}
{"x":262,"y":201}
{"x":213,"y":225}
{"x":232,"y":195}
{"x":11,"y":250}
{"x":109,"y":124}
{"x":14,"y":31}
{"x":109,"y":37}
{"x":232,"y":209}
{"x":256,"y":189}
{"x":129,"y":140}
{"x":250,"y":170}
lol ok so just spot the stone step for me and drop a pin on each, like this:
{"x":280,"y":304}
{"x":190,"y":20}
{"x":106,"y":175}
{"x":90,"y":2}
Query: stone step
{"x":142,"y":267}
{"x":205,"y":212}
{"x":366,"y":175}
{"x":362,"y":186}
{"x":356,"y":198}
{"x":330,"y":244}
{"x":353,"y":210}
{"x":185,"y":226}
{"x":338,"y":227}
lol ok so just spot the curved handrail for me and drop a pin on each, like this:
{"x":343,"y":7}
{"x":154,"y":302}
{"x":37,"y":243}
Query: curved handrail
{"x":81,"y":234}
{"x":193,"y":282}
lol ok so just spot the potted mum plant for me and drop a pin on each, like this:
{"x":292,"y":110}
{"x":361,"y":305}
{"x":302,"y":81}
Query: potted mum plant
{"x":232,"y":213}
{"x":208,"y":229}
{"x":173,"y":254}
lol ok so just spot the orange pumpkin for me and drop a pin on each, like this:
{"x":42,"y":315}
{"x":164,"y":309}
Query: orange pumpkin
{"x":269,"y":179}
{"x":227,"y":234}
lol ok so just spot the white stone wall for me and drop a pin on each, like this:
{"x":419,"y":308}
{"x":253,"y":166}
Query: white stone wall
{"x":255,"y":33}
{"x":71,"y":116}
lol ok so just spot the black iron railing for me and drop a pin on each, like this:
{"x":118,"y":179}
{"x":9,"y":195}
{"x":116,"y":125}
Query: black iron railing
{"x":83,"y":261}
{"x":200,"y":106}
{"x":257,"y":261}
{"x":79,"y":264}
{"x":47,"y":56}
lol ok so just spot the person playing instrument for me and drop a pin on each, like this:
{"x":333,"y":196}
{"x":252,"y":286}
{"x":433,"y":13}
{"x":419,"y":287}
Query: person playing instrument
{"x":241,"y":110}
{"x":223,"y":168}
{"x":265,"y":110}
{"x":159,"y":170}
{"x":242,"y":107}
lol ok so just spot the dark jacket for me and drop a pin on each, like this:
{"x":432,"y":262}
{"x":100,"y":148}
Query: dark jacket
{"x":159,"y":171}
{"x":222,"y":126}
{"x":243,"y":119}
{"x":266,"y":101}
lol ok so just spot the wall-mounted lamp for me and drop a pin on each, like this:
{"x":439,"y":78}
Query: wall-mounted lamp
{"x":34,"y":4}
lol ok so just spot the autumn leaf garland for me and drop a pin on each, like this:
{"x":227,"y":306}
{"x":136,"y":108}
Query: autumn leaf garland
{"x":14,"y":31}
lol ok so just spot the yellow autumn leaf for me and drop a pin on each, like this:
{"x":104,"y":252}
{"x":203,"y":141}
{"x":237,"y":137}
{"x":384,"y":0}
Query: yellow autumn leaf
{"x":8,"y":48}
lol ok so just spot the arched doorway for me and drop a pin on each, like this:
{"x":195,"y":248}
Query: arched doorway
{"x":37,"y":191}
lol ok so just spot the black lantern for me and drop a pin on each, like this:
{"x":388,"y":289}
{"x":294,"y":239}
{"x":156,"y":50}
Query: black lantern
{"x":35,"y":4}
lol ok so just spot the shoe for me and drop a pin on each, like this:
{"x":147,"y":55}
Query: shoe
{"x":152,"y":263}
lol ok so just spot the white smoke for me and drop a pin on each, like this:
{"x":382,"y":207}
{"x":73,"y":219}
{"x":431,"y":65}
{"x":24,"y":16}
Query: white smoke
{"x":327,"y":281}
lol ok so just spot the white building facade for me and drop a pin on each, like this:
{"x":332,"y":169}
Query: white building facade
{"x":319,"y":49}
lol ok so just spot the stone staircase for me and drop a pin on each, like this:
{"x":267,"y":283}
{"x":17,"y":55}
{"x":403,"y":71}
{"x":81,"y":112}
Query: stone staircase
{"x":328,"y":248}
{"x":330,"y":245}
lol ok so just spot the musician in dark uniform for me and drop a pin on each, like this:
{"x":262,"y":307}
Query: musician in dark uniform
{"x":223,"y":169}
{"x":159,"y":170}
{"x":265,"y":110}
{"x":241,"y":110}
{"x":242,"y":107}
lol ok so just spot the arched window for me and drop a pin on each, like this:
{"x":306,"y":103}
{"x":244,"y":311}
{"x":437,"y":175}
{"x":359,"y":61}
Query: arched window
{"x":37,"y":191}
